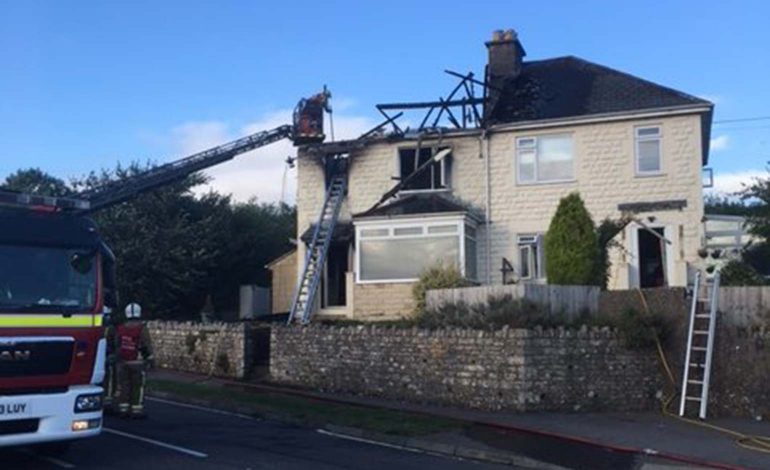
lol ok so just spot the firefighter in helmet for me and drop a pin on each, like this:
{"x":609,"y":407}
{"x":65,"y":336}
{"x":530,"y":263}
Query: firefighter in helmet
{"x":134,"y":356}
{"x":111,"y":375}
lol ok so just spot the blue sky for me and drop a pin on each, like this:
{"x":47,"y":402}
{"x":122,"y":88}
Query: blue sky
{"x":84,"y":85}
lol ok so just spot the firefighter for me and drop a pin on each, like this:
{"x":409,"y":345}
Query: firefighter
{"x":134,"y":356}
{"x":111,"y":376}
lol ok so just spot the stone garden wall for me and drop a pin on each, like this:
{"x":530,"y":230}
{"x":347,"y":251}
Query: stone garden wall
{"x":587,"y":369}
{"x":221,"y":349}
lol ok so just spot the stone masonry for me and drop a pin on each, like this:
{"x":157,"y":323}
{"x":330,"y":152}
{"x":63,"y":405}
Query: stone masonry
{"x":221,"y":349}
{"x":587,"y":369}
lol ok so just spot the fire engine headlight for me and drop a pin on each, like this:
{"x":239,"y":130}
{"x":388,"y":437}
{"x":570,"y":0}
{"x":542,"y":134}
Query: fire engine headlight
{"x":87,"y":403}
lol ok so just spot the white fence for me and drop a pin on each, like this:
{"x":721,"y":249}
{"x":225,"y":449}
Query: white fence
{"x":571,"y":300}
{"x":745,"y":305}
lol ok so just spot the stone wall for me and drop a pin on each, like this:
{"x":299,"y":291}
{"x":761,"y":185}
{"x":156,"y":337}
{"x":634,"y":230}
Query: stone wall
{"x":509,"y":369}
{"x":383,"y":301}
{"x":221,"y":349}
{"x":741,"y":373}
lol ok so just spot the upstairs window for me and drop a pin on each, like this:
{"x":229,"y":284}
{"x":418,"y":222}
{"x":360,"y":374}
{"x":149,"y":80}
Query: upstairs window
{"x":435,"y":177}
{"x":530,"y":257}
{"x":543,"y":159}
{"x":648,"y":150}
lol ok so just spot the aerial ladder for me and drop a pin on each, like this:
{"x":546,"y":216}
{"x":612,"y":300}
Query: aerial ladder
{"x":307,"y":128}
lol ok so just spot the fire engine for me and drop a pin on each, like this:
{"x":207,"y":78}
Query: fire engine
{"x":57,"y":288}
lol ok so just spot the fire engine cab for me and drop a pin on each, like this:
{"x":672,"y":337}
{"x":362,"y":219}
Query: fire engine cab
{"x":56,"y":282}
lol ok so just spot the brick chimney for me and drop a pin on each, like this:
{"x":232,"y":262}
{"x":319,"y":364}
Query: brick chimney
{"x":505,"y":57}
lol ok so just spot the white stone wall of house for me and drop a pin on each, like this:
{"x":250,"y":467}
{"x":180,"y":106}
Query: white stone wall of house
{"x":604,"y":175}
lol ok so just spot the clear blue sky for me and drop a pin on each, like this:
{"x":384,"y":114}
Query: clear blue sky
{"x":86,"y":84}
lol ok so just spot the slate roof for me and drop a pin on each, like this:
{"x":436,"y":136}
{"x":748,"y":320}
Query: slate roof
{"x":566,"y":87}
{"x":570,"y":86}
{"x":417,"y":204}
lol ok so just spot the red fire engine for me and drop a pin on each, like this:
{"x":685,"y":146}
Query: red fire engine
{"x":57,"y":284}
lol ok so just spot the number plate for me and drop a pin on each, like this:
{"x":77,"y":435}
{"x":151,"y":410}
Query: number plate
{"x":14,"y":409}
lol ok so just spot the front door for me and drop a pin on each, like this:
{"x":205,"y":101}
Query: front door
{"x":652,"y":258}
{"x":335,"y":275}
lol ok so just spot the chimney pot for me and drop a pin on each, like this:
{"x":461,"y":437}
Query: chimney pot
{"x":504,"y":64}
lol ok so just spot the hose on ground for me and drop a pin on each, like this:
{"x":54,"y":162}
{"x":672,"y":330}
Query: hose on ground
{"x":746,"y":441}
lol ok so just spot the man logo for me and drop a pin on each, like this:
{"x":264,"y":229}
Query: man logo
{"x":17,"y":355}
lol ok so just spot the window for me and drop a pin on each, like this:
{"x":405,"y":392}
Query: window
{"x":400,"y":252}
{"x":648,"y":150}
{"x":530,"y":256}
{"x":435,"y":177}
{"x":544,"y":159}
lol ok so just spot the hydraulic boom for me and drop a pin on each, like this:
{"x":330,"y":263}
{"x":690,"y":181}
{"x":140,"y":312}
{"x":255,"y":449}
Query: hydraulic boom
{"x":120,"y":191}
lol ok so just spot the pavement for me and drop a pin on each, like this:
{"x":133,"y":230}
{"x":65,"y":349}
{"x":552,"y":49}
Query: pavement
{"x":574,"y":440}
{"x":186,"y":436}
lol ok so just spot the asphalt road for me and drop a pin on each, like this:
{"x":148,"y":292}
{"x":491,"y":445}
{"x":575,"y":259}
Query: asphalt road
{"x":178,"y":436}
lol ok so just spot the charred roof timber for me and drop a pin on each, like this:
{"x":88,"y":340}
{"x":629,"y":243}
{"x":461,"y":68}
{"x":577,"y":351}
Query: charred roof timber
{"x":459,"y":107}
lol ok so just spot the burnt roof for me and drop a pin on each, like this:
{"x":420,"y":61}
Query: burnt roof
{"x":417,"y":204}
{"x":570,"y":86}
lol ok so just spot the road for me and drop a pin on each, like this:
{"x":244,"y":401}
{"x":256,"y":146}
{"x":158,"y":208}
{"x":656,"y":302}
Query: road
{"x":180,"y":436}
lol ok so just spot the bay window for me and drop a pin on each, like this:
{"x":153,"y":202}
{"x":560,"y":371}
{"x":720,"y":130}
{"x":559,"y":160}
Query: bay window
{"x":401,"y":251}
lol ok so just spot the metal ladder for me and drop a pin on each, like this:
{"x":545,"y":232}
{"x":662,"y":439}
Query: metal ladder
{"x":315,"y":259}
{"x":700,"y":344}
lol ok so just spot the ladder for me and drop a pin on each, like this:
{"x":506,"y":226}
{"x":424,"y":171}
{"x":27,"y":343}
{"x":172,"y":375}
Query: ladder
{"x":315,"y":259}
{"x":700,"y":344}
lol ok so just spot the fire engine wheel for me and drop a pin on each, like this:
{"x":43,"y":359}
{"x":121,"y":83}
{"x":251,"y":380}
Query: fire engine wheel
{"x":53,"y":449}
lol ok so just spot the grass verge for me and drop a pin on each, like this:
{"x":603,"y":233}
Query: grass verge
{"x":309,"y":411}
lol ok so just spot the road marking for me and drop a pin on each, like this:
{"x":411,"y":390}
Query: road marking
{"x":183,"y":450}
{"x":376,"y":443}
{"x":57,"y":462}
{"x":51,"y":460}
{"x":202,"y":408}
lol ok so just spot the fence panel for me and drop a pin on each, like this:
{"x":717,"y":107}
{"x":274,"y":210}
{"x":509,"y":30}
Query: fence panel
{"x":745,"y":305}
{"x":571,"y":300}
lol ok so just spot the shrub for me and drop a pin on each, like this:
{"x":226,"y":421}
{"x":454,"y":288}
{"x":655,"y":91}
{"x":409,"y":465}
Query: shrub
{"x":640,"y":330}
{"x":571,"y":245}
{"x":438,"y":276}
{"x":499,"y":312}
{"x":740,"y":273}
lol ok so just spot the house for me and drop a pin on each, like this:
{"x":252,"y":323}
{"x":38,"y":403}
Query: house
{"x":550,"y":127}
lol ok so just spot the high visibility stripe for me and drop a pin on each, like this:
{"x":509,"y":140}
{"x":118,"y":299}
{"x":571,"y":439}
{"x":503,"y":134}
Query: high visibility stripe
{"x":42,"y":321}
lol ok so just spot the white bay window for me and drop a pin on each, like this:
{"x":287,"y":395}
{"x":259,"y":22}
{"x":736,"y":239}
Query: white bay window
{"x":388,"y":251}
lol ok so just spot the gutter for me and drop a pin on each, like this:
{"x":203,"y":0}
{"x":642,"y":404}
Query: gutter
{"x":484,"y":153}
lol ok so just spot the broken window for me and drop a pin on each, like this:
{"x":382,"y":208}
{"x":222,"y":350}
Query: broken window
{"x":434,"y":177}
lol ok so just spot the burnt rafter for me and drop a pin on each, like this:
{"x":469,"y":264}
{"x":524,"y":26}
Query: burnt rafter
{"x":460,"y":107}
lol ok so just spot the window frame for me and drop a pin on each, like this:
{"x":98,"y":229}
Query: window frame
{"x":518,"y":148}
{"x":460,"y":222}
{"x":445,"y":172}
{"x":638,"y":139}
{"x":535,"y":264}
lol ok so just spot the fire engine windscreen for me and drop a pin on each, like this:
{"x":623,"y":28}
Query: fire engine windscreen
{"x":43,"y":279}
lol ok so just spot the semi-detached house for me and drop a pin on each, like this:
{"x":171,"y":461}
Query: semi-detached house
{"x":552,"y":127}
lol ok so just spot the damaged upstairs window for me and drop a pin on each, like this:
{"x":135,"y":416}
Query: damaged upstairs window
{"x":434,"y":177}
